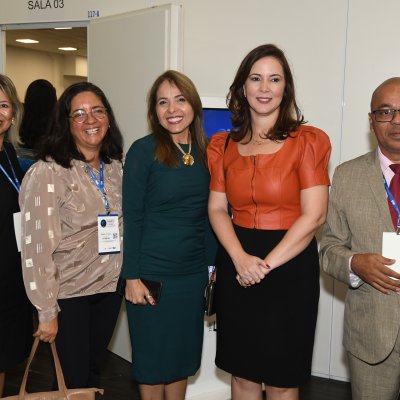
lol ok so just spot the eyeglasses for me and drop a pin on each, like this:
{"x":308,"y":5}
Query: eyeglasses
{"x":80,"y":116}
{"x":385,"y":115}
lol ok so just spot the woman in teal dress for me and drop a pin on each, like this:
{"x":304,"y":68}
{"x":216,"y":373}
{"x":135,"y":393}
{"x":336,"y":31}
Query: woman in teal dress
{"x":165,"y":192}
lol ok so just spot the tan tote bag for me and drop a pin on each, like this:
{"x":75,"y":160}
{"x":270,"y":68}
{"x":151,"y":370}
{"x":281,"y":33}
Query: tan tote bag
{"x":62,"y":393}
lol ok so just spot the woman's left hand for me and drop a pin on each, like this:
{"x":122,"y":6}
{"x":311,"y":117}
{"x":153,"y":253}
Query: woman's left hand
{"x":250,"y":269}
{"x":137,"y":293}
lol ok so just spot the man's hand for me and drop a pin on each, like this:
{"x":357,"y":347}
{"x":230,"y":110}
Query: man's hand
{"x":373,"y":269}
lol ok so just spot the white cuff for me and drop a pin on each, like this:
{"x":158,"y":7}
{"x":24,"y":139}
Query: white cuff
{"x":355,"y":280}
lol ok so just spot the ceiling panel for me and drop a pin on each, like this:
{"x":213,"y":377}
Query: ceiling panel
{"x":50,"y":39}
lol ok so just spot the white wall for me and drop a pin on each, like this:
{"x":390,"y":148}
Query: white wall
{"x":42,"y":65}
{"x":24,"y":66}
{"x":340,"y":50}
{"x":371,"y":59}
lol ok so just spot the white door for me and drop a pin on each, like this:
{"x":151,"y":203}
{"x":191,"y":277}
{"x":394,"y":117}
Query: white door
{"x":126,"y":52}
{"x":124,"y":59}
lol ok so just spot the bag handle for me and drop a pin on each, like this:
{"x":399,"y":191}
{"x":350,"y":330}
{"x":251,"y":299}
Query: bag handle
{"x":60,"y":377}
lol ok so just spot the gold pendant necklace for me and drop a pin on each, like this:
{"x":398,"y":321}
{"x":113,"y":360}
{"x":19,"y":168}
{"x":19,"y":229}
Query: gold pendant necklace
{"x":187,"y":158}
{"x":261,"y":140}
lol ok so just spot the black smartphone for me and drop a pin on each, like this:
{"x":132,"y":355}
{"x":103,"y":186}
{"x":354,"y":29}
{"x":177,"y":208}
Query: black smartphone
{"x":121,"y":287}
{"x":154,"y":288}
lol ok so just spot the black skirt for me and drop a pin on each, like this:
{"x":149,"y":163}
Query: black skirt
{"x":265,"y":333}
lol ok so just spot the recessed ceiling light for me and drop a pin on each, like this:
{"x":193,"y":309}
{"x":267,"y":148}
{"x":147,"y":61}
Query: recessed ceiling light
{"x":27,"y":41}
{"x":68,"y":48}
{"x":64,"y":27}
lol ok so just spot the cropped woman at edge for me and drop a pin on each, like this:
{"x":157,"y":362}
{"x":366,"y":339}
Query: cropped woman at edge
{"x":165,"y":192}
{"x":273,"y":173}
{"x":16,"y":317}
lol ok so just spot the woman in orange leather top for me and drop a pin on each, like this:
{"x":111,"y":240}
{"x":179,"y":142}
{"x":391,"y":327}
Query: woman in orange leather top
{"x":272,"y":170}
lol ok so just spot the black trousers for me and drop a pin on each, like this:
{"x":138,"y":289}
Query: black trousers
{"x":85,"y":328}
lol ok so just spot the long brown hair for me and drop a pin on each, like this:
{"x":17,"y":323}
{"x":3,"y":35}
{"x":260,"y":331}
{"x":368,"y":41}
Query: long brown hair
{"x":165,"y":151}
{"x":290,"y":116}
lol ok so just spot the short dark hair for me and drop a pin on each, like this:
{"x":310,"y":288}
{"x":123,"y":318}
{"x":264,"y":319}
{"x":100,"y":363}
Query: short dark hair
{"x":289,"y":117}
{"x":60,"y":145}
{"x":166,"y":152}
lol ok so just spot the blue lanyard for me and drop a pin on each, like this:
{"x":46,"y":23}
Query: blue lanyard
{"x":394,"y":204}
{"x":100,"y":183}
{"x":14,"y":181}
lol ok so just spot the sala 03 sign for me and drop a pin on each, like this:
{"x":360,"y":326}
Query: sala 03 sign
{"x":44,"y":4}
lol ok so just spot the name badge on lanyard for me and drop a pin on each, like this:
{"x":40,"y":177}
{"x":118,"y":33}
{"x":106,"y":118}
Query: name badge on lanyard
{"x":391,"y":240}
{"x":391,"y":249}
{"x":107,"y":224}
{"x":15,"y":183}
{"x":108,"y":234}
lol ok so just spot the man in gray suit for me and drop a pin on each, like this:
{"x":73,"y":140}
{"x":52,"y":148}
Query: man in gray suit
{"x":351,"y":251}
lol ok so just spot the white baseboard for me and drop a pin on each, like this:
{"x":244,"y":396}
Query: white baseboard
{"x":225,"y":393}
{"x":334,"y":377}
{"x":219,"y":394}
{"x":339,"y":378}
{"x":320,"y":375}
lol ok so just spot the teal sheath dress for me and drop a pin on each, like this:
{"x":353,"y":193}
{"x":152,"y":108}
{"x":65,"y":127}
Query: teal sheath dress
{"x":166,"y":232}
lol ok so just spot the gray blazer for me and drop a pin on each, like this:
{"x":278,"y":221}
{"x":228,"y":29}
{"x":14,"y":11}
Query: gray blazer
{"x":358,"y":214}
